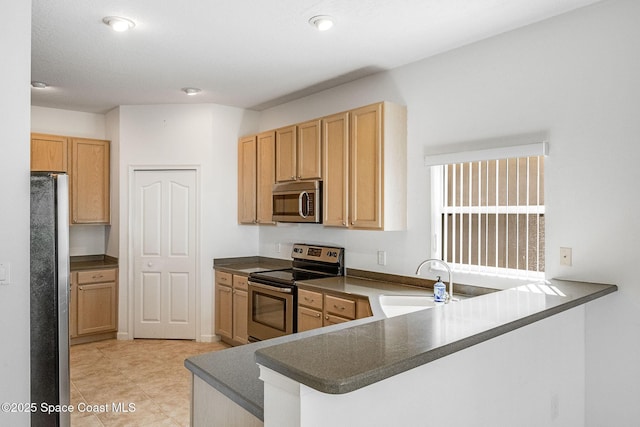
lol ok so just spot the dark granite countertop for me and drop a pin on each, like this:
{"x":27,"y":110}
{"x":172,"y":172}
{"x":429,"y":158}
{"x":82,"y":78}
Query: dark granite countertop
{"x":245,"y":265}
{"x":368,"y":350}
{"x":92,"y":262}
{"x":354,"y":357}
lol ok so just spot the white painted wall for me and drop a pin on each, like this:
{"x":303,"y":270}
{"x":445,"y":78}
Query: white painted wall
{"x":83,"y":239}
{"x":15,"y":45}
{"x":574,"y":77}
{"x":510,"y":380}
{"x":203,"y":135}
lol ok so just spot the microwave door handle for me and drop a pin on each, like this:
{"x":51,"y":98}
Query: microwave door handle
{"x":303,"y":207}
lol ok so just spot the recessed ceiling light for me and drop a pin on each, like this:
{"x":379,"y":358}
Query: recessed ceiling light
{"x":191,"y":90}
{"x":321,"y":22}
{"x":38,"y":85}
{"x":118,"y":23}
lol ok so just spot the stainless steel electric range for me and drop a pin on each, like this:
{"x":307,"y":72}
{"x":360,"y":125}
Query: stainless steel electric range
{"x":273,"y":295}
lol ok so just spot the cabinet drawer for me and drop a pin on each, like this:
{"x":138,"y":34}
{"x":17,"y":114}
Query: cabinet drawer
{"x":240,"y":282}
{"x":96,"y":276}
{"x":310,"y":299}
{"x":224,"y":278}
{"x":340,"y":306}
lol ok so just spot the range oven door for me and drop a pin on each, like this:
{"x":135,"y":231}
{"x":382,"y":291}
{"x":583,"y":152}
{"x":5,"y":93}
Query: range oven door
{"x":271,"y":311}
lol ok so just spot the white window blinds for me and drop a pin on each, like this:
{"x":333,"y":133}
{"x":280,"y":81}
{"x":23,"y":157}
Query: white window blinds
{"x":489,"y":214}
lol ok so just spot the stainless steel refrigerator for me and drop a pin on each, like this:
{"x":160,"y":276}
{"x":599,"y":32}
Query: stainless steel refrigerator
{"x":50,"y":297}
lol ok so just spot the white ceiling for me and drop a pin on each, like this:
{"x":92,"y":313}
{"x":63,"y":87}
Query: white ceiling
{"x":247,"y":53}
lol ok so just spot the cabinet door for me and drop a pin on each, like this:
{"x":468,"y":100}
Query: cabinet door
{"x":335,"y":169}
{"x":266,"y":177}
{"x":286,"y":143}
{"x":330,"y":319}
{"x":97,"y":308}
{"x":240,"y":312}
{"x":89,"y":181}
{"x":365,"y":207}
{"x":49,"y":153}
{"x":309,"y":150}
{"x":308,"y":319}
{"x":224,"y":311}
{"x":247,"y":168}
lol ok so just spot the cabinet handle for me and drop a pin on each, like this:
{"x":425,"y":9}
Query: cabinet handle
{"x":225,"y":289}
{"x":307,"y":299}
{"x":337,"y":307}
{"x":293,"y":177}
{"x":344,"y":223}
{"x":97,"y":276}
{"x":317,"y":314}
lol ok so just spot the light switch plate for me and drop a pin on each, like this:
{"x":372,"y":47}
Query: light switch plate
{"x":5,"y":273}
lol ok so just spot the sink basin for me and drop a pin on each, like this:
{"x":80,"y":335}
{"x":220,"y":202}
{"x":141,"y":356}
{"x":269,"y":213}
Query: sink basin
{"x":395,"y":305}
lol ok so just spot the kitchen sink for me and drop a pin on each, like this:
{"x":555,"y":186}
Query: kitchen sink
{"x":396,"y":305}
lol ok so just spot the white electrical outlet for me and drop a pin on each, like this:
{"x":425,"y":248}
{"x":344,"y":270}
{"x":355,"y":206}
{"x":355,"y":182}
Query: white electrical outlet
{"x":565,"y":257}
{"x":382,"y":258}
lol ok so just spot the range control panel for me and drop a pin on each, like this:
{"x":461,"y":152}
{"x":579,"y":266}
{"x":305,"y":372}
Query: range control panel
{"x":327,"y":254}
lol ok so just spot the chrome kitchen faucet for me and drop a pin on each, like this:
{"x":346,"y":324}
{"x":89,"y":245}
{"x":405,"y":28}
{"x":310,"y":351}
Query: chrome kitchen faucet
{"x":449,"y":296}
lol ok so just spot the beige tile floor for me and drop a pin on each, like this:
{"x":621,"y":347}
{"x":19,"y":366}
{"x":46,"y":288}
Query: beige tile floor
{"x":145,"y":375}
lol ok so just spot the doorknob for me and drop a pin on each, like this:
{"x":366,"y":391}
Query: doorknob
{"x":150,"y":264}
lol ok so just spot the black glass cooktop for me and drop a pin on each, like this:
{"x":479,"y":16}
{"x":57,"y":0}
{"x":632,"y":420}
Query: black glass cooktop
{"x":284,"y":277}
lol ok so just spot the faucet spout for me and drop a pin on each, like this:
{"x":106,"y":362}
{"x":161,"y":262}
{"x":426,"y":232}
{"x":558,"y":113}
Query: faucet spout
{"x":446,"y":266}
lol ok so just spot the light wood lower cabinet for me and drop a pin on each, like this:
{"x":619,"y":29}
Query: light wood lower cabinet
{"x":231,"y":305}
{"x":319,"y":308}
{"x":93,"y":306}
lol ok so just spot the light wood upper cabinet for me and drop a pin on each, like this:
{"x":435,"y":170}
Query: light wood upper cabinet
{"x":309,"y":155}
{"x":89,"y":176}
{"x":87,"y":162}
{"x":256,"y":176}
{"x":265,"y":177}
{"x":366,"y":167}
{"x":299,"y":152}
{"x":48,"y":153}
{"x":335,"y":170}
{"x":247,"y":169}
{"x":286,"y":142}
{"x":360,"y":156}
{"x":364,"y":173}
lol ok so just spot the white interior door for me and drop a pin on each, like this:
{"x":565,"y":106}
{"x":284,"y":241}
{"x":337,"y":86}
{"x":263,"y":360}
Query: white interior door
{"x":164,"y":247}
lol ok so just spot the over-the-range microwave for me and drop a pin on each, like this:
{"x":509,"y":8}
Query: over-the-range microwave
{"x":298,"y":201}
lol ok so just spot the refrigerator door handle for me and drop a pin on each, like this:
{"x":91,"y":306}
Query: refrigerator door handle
{"x":64,"y":273}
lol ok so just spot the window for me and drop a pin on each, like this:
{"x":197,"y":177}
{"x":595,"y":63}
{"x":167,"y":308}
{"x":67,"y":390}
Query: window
{"x":489,"y":216}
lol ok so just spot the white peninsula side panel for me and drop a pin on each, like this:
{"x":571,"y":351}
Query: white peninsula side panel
{"x":532,"y":376}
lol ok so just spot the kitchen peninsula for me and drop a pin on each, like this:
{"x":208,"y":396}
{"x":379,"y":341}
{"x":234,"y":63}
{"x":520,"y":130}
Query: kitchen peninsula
{"x":521,"y":337}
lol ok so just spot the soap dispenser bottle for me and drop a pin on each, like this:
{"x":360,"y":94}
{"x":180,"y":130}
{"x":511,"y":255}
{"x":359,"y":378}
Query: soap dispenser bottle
{"x":439,"y":291}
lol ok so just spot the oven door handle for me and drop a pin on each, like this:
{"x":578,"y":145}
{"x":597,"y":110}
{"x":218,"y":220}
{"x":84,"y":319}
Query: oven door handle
{"x":270,"y":288}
